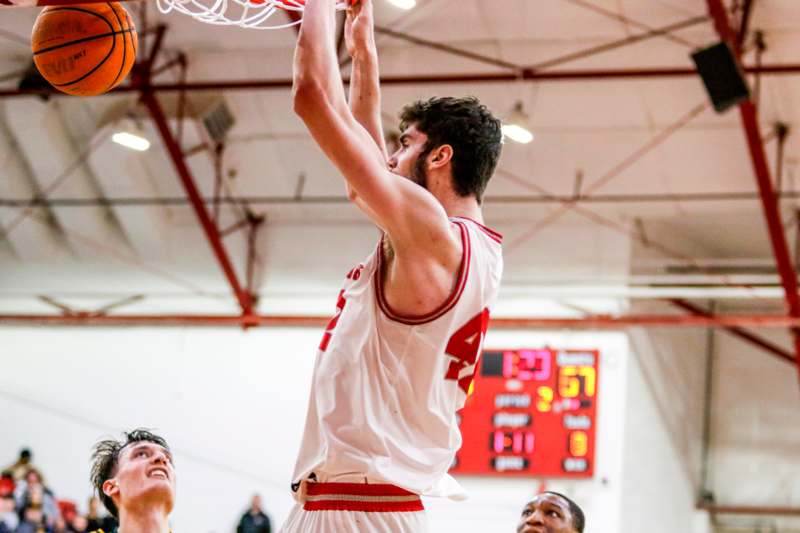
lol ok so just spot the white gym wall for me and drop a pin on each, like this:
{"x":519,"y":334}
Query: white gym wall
{"x":232,"y":405}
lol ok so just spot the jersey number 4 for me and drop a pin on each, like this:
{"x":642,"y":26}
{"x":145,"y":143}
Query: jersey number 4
{"x":326,"y":337}
{"x":464,"y":346}
{"x":355,"y":275}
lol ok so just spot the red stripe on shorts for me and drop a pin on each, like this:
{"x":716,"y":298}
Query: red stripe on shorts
{"x":373,"y":498}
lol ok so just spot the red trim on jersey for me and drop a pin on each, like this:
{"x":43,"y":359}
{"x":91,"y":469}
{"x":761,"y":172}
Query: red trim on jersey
{"x":489,"y":231}
{"x":452,"y":299}
{"x":356,"y":489}
{"x":374,"y":498}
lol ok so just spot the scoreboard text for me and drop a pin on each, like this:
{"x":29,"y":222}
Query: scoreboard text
{"x":530,"y":412}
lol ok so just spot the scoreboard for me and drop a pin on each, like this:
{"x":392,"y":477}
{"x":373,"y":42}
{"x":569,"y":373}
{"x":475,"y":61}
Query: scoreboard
{"x":530,"y":412}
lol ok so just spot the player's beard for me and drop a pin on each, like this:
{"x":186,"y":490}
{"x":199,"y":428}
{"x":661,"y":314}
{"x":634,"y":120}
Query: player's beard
{"x":419,"y":174}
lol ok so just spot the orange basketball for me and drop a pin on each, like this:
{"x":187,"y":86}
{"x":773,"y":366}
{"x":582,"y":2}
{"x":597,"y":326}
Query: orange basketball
{"x":84,"y":49}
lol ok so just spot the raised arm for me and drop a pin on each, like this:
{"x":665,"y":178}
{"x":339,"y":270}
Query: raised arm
{"x":365,"y":94}
{"x":414,"y":219}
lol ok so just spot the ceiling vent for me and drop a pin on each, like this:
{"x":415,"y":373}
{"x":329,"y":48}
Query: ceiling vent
{"x":218,"y":121}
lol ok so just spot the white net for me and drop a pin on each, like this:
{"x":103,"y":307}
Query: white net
{"x":255,"y":14}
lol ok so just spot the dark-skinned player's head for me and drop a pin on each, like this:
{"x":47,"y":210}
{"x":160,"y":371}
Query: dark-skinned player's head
{"x":134,"y":471}
{"x":551,"y":512}
{"x":470,"y":130}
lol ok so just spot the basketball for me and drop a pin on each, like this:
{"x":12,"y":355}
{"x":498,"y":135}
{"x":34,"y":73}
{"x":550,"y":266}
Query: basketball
{"x":84,"y":49}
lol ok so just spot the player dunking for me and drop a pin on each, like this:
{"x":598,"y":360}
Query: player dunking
{"x":397,"y":360}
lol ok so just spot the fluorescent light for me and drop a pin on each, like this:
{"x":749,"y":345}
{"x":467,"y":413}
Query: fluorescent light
{"x":517,"y":125}
{"x":517,"y":133}
{"x":403,"y":4}
{"x":130,"y":140}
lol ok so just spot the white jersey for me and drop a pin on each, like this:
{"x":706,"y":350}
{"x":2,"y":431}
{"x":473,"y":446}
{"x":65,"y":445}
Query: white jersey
{"x":386,"y":387}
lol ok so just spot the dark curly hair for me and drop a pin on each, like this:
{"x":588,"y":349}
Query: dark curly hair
{"x":466,"y":125}
{"x":578,"y":518}
{"x":105,"y":457}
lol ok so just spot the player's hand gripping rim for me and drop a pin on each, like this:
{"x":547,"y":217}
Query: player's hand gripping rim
{"x":359,"y":34}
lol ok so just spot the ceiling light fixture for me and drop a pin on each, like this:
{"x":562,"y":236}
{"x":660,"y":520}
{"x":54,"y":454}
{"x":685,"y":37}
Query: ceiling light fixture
{"x":130,"y":135}
{"x":403,"y":4}
{"x":517,"y":126}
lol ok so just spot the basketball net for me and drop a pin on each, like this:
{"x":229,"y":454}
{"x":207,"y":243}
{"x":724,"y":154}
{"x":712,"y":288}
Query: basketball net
{"x":254,"y":14}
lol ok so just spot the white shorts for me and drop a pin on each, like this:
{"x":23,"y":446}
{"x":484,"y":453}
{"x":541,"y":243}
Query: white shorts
{"x":357,"y":508}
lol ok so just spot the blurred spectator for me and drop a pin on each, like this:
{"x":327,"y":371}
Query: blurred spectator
{"x":67,"y":509}
{"x":31,"y":492}
{"x":32,"y":521}
{"x":60,"y":526}
{"x":7,"y":484}
{"x":9,"y":519}
{"x":96,"y":519}
{"x":18,"y":469}
{"x":254,"y":520}
{"x":80,"y":525}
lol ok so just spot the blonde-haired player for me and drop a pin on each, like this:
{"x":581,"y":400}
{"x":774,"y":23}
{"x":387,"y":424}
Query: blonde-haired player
{"x":397,"y":360}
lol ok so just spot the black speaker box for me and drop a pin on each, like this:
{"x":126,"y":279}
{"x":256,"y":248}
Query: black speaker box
{"x":722,"y":76}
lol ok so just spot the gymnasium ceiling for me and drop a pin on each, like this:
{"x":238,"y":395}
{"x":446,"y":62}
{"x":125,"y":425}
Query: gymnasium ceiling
{"x":668,"y":203}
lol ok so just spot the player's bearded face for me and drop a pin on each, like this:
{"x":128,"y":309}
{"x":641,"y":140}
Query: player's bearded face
{"x":145,"y":476}
{"x":419,"y":171}
{"x":410,"y":158}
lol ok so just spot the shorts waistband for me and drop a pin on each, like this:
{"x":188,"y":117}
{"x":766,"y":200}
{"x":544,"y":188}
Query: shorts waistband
{"x":374,"y":498}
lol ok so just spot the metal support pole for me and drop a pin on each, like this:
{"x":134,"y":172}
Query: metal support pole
{"x":747,"y":10}
{"x":217,"y":155}
{"x":185,"y":175}
{"x":781,"y":132}
{"x":252,"y":255}
{"x":760,"y":48}
{"x":705,"y":494}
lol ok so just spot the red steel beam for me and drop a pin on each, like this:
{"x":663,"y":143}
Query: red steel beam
{"x":731,"y":196}
{"x":769,"y":202}
{"x":501,"y":77}
{"x":584,"y":323}
{"x":209,"y":228}
{"x":764,"y":344}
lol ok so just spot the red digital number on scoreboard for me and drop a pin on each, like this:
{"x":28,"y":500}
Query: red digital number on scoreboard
{"x":531,"y":413}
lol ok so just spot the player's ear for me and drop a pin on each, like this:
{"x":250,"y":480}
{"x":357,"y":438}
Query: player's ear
{"x":441,"y":156}
{"x":110,"y":487}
